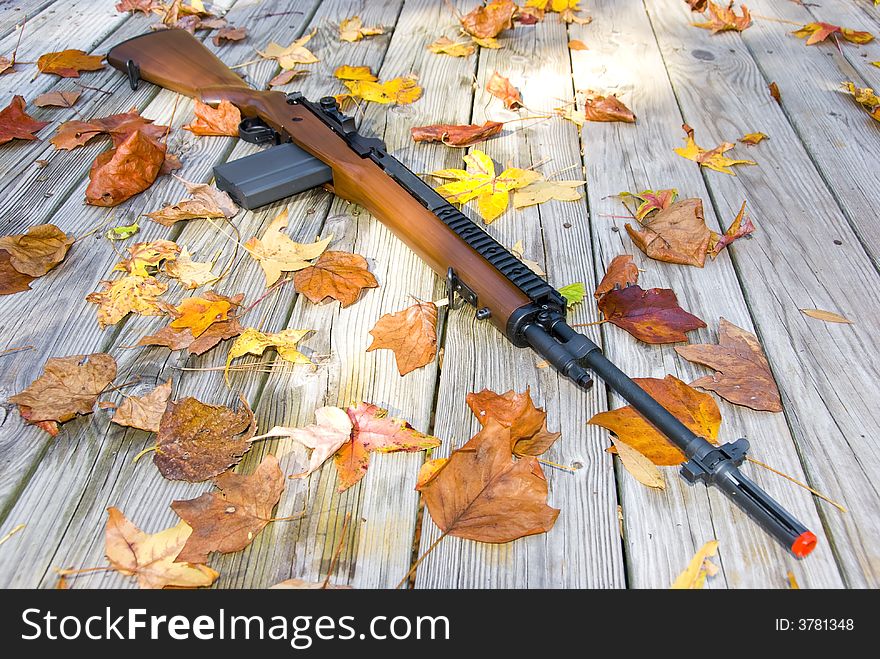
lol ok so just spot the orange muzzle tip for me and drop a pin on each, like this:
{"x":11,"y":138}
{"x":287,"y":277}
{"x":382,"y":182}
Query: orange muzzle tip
{"x":803,"y":544}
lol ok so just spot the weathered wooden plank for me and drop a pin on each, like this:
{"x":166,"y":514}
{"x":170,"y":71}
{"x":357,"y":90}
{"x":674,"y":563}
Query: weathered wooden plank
{"x":793,"y":262}
{"x":13,"y":12}
{"x":584,"y":547}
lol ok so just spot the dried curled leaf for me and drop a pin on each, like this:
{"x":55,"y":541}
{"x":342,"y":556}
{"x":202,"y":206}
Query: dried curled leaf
{"x":453,"y":135}
{"x":182,"y":339}
{"x":865,"y":97}
{"x":621,"y":272}
{"x":446,"y":46}
{"x":827,"y":316}
{"x":411,"y":334}
{"x":277,"y":253}
{"x":16,"y":124}
{"x":191,"y":274}
{"x":725,"y":18}
{"x":132,"y":294}
{"x":125,"y":171}
{"x":753,"y":138}
{"x":38,"y":251}
{"x":676,"y":234}
{"x":75,"y":133}
{"x":606,"y":108}
{"x":712,"y":159}
{"x":741,"y":226}
{"x":352,"y":29}
{"x":222,"y":120}
{"x":145,"y":258}
{"x":69,"y":63}
{"x":254,"y":342}
{"x":293,"y":55}
{"x":229,"y":33}
{"x":652,"y":316}
{"x":527,"y":423}
{"x":144,"y":412}
{"x":205,"y":201}
{"x":488,"y":21}
{"x":700,"y":567}
{"x":11,"y":280}
{"x":57,"y":99}
{"x":501,"y":87}
{"x":650,"y":201}
{"x":338,"y":275}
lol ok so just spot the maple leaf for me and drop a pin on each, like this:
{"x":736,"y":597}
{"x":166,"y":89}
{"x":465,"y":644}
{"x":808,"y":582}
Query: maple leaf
{"x":144,"y":412}
{"x":542,"y":191}
{"x":151,"y":558}
{"x":16,"y":124}
{"x":696,"y":410}
{"x":621,"y":272}
{"x":277,"y":253}
{"x":446,"y":46}
{"x":57,"y":99}
{"x":351,"y":30}
{"x":640,"y":467}
{"x":712,"y":159}
{"x":191,"y":274}
{"x":650,"y":201}
{"x":676,"y":234}
{"x":197,"y":314}
{"x":67,"y":387}
{"x":197,"y":441}
{"x":482,"y":494}
{"x":296,"y":53}
{"x":456,"y":135}
{"x":573,"y":293}
{"x":827,"y":316}
{"x":229,"y":33}
{"x":338,"y":275}
{"x":865,"y":97}
{"x":479,"y":182}
{"x":132,"y":294}
{"x":725,"y":18}
{"x":652,"y":316}
{"x":38,"y":251}
{"x":518,"y":250}
{"x":488,"y":21}
{"x":606,"y":108}
{"x":144,"y":258}
{"x":11,"y":280}
{"x":527,"y":423}
{"x":753,"y":138}
{"x":700,"y":567}
{"x":230,"y":519}
{"x":123,"y":172}
{"x":819,"y":32}
{"x":741,"y":226}
{"x":346,"y":72}
{"x":255,"y":342}
{"x":332,"y":430}
{"x":501,"y":87}
{"x":401,"y":91}
{"x":222,"y":120}
{"x":205,"y":201}
{"x":182,"y":339}
{"x":743,"y":374}
{"x":411,"y":334}
{"x":69,"y":63}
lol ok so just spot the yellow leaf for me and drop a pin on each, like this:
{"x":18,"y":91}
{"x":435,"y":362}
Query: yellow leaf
{"x":827,"y":316}
{"x":640,"y":467}
{"x":351,"y":29}
{"x":199,"y":313}
{"x":713,"y":159}
{"x":487,"y":42}
{"x":446,"y":46}
{"x":541,"y":191}
{"x":346,"y":72}
{"x":277,"y":253}
{"x":402,"y":91}
{"x":132,"y":294}
{"x":753,"y":138}
{"x":294,"y":54}
{"x":192,"y":274}
{"x":865,"y":97}
{"x":254,"y":342}
{"x":147,"y":255}
{"x":694,"y":576}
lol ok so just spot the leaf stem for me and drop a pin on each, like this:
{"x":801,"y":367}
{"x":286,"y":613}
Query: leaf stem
{"x":15,"y":530}
{"x":336,"y":553}
{"x":797,"y":482}
{"x":412,"y":569}
{"x":10,"y":351}
{"x":144,"y":452}
{"x":596,"y":322}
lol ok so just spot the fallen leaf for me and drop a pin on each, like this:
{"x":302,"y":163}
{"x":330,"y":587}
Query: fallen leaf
{"x":650,"y":201}
{"x":228,"y":520}
{"x":196,"y":441}
{"x":488,"y":42}
{"x":296,"y":53}
{"x":517,"y":250}
{"x":351,"y":461}
{"x":676,"y":234}
{"x":712,"y":159}
{"x":121,"y":173}
{"x":74,"y":133}
{"x":527,"y":423}
{"x":197,"y":314}
{"x":205,"y":201}
{"x":57,"y":99}
{"x":11,"y":280}
{"x":229,"y":33}
{"x":606,"y":108}
{"x":67,"y":387}
{"x":6,"y":65}
{"x":446,"y":46}
{"x":697,"y":5}
{"x":696,"y":410}
{"x":827,"y":316}
{"x":819,"y":32}
{"x":652,"y":316}
{"x":743,"y":374}
{"x":285,"y":77}
{"x":700,"y":567}
{"x":774,"y":92}
{"x":741,"y":226}
{"x":338,"y":275}
{"x":639,"y":467}
{"x":351,"y":30}
{"x":453,"y":135}
{"x":151,"y":558}
{"x":401,"y":91}
{"x":222,"y":120}
{"x":38,"y":251}
{"x":725,"y":18}
{"x":621,"y":272}
{"x":123,"y":232}
{"x":132,"y":294}
{"x":69,"y":63}
{"x":489,"y":20}
{"x":482,"y":494}
{"x":143,"y":6}
{"x":411,"y":334}
{"x":191,"y":274}
{"x":346,"y":72}
{"x":428,"y":470}
{"x":573,"y":293}
{"x":577,"y":44}
{"x":542,"y":191}
{"x":500,"y":87}
{"x":144,"y":258}
{"x":16,"y":124}
{"x":753,"y":138}
{"x":277,"y":253}
{"x":792,"y":581}
{"x":183,"y":339}
{"x":144,"y":412}
{"x":865,"y":97}
{"x":255,"y":342}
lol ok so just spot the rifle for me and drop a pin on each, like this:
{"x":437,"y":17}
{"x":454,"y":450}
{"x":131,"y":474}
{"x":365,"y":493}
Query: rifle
{"x":315,"y":144}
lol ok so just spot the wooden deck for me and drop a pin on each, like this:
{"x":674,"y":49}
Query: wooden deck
{"x":814,"y":196}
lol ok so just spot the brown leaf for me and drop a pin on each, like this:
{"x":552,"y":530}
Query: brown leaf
{"x":145,"y":258}
{"x":121,"y":173}
{"x":38,"y":251}
{"x":453,"y":135}
{"x":500,"y":87}
{"x":223,"y":120}
{"x":229,"y":33}
{"x":6,"y":65}
{"x":57,"y":99}
{"x":132,"y":294}
{"x":182,"y":339}
{"x":827,"y":316}
{"x":774,"y":92}
{"x":411,"y":334}
{"x":741,"y":226}
{"x":622,"y":272}
{"x":677,"y":234}
{"x":74,"y":133}
{"x":339,"y":275}
{"x":482,"y":494}
{"x":145,"y":411}
{"x":143,"y":6}
{"x":69,"y":63}
{"x":151,"y":558}
{"x":285,"y":76}
{"x":696,"y":410}
{"x":606,"y":108}
{"x":488,"y":21}
{"x":725,"y":18}
{"x":205,"y":201}
{"x":744,"y":376}
{"x":68,"y":386}
{"x":697,"y":5}
{"x":527,"y":423}
{"x":198,"y":441}
{"x":11,"y":280}
{"x":230,"y":519}
{"x":652,"y":316}
{"x":16,"y":124}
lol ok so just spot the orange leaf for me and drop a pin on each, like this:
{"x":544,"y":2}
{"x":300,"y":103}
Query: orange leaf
{"x":621,"y":272}
{"x":182,"y":339}
{"x":222,"y":120}
{"x":487,"y":21}
{"x":527,"y":423}
{"x":411,"y":334}
{"x":16,"y":124}
{"x":500,"y":87}
{"x":819,"y":32}
{"x":121,"y":173}
{"x":652,"y":316}
{"x":577,"y":44}
{"x":738,"y":228}
{"x":57,"y":99}
{"x":69,"y":63}
{"x":198,"y":314}
{"x":453,"y":135}
{"x":72,"y":134}
{"x":606,"y":108}
{"x":725,"y":18}
{"x":339,"y":275}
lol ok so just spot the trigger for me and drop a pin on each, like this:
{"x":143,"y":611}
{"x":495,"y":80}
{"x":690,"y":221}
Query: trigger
{"x":256,"y":131}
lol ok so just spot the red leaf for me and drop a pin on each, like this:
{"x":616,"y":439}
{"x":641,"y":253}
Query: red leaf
{"x":652,"y":316}
{"x":16,"y":124}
